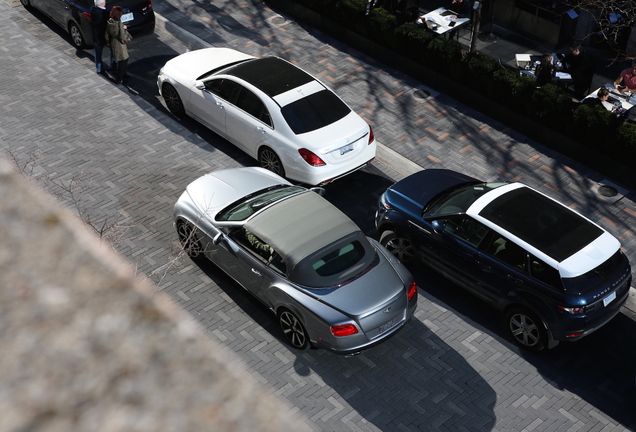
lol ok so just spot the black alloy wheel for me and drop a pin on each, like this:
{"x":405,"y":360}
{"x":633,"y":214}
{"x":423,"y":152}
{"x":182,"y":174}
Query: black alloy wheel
{"x":189,"y":241}
{"x":173,"y":101}
{"x":398,"y":245}
{"x":526,"y":329}
{"x":293,"y":330}
{"x":76,"y":35}
{"x":270,"y":160}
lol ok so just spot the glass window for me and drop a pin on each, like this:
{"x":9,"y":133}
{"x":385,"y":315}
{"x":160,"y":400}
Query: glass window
{"x":466,"y":228}
{"x":314,"y":112}
{"x":251,"y":104}
{"x":247,"y":206}
{"x":340,"y":259}
{"x":544,"y":273}
{"x":224,"y":88}
{"x":507,"y":252}
{"x":458,"y":200}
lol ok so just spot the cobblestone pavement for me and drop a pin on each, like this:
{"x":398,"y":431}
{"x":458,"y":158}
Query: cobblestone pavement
{"x":451,"y":368}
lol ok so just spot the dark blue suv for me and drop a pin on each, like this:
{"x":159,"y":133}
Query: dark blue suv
{"x":553,"y":273}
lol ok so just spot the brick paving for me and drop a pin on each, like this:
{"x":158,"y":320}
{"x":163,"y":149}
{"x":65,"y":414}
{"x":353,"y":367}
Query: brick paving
{"x":451,"y":368}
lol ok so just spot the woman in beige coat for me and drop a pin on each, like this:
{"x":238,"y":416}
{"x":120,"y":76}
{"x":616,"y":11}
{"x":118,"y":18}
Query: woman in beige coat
{"x":117,"y":37}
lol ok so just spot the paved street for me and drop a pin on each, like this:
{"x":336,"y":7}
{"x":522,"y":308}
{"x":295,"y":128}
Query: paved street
{"x":451,"y":368}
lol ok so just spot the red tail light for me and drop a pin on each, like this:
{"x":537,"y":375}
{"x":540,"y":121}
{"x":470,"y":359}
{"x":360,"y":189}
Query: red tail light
{"x":572,"y":310}
{"x":344,"y":330}
{"x":371,"y":135}
{"x":88,"y":16}
{"x":412,"y":290}
{"x":570,"y":335}
{"x":311,"y":158}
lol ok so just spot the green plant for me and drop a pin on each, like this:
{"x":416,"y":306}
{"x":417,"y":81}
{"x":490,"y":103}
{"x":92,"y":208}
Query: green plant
{"x":551,"y":106}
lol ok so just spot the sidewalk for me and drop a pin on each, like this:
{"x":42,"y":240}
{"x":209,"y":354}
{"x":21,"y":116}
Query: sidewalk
{"x":414,"y":133}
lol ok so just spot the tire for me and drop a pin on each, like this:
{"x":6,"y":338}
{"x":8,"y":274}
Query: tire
{"x":293,"y":329}
{"x":270,"y":160}
{"x":189,"y":241}
{"x":76,"y":35}
{"x":173,"y":101}
{"x":398,"y":245}
{"x":526,"y":329}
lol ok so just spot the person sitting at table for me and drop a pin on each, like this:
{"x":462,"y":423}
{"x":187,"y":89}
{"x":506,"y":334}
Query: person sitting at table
{"x":626,"y":81}
{"x":601,"y":96}
{"x":461,"y":8}
{"x":581,"y":66}
{"x":545,"y":71}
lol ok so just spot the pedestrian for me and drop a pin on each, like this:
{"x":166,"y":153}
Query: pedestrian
{"x":581,"y":66}
{"x":117,"y":37}
{"x":99,"y":16}
{"x":545,"y":71}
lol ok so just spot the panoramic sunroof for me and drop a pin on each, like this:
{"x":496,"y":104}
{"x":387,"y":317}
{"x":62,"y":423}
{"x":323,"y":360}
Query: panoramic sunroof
{"x":271,"y":74}
{"x":541,"y":222}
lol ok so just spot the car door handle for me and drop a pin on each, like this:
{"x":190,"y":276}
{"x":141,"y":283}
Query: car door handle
{"x":256,"y":272}
{"x":220,"y":105}
{"x":260,"y":128}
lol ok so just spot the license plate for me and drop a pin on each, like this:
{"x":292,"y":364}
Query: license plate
{"x":607,"y":300}
{"x":384,"y":327}
{"x":127,"y":17}
{"x":346,"y":149}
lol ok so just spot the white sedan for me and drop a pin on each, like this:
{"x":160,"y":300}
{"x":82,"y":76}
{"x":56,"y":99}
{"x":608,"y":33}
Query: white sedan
{"x":277,"y":113}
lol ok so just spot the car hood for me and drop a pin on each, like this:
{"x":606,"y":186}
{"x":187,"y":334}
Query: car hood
{"x":368,"y":292}
{"x":421,"y":187}
{"x":193,"y":64}
{"x":212,"y":192}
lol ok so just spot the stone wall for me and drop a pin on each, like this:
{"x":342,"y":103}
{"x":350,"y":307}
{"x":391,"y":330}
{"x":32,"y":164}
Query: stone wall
{"x":87,"y":347}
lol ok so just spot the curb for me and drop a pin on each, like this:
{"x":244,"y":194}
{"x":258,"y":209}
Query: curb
{"x":384,"y":155}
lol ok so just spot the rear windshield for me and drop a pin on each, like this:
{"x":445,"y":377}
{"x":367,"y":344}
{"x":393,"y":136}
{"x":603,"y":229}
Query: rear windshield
{"x":340,"y":259}
{"x":595,"y":276}
{"x":314,"y":112}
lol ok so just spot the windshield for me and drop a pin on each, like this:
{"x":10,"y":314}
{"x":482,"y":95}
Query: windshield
{"x":458,"y":200}
{"x":248,"y":205}
{"x":314,"y":112}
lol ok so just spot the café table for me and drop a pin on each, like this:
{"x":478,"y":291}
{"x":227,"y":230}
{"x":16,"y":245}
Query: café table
{"x":618,"y":102}
{"x":527,"y":65}
{"x":441,"y":21}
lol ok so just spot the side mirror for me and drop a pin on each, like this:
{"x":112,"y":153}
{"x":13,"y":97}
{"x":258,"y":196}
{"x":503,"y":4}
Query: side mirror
{"x":200,"y":85}
{"x":217,"y":238}
{"x":319,"y":190}
{"x":438,"y":226}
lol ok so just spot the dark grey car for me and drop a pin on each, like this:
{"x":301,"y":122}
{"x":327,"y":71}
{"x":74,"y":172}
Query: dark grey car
{"x":74,"y":16}
{"x":329,"y":285}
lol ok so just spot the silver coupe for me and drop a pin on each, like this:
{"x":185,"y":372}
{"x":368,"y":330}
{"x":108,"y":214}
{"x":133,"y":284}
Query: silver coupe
{"x":329,"y":285}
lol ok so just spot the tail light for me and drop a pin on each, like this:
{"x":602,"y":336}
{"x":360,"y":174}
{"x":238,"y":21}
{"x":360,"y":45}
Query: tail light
{"x":572,"y":310}
{"x":311,"y":158}
{"x":371,"y":135}
{"x":412,"y":290}
{"x":88,"y":16}
{"x":344,"y":330}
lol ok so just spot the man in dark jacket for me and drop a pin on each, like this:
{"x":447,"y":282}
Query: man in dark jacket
{"x":581,"y":66}
{"x":99,"y":17}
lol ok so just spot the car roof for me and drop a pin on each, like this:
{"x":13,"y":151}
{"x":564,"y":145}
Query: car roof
{"x":300,"y":225}
{"x":551,"y":231}
{"x":281,"y":75}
